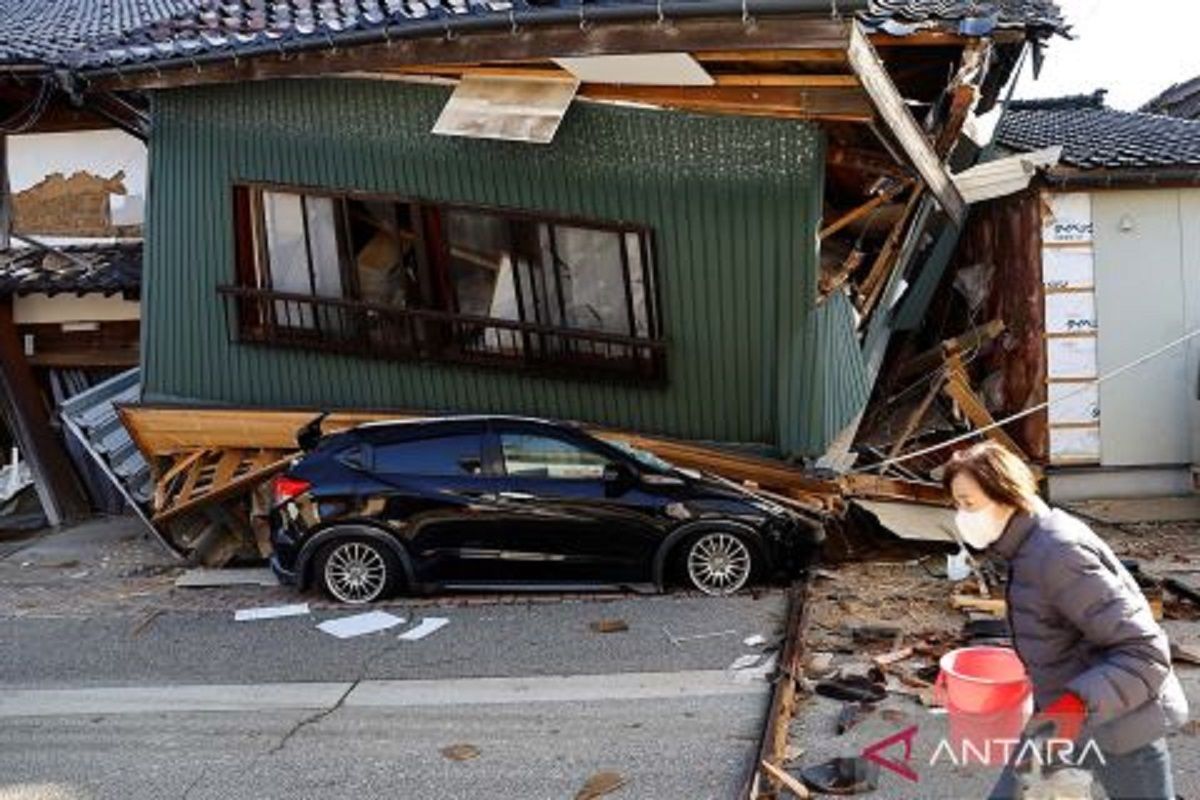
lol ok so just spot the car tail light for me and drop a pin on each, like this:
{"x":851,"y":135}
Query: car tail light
{"x":285,"y":488}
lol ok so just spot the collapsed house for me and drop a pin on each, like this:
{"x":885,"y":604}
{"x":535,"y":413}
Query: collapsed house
{"x":1077,"y":287}
{"x":70,"y":282}
{"x":687,"y":222}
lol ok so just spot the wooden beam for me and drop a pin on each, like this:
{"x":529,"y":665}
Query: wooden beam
{"x":807,"y":55}
{"x":901,"y":126}
{"x":872,"y":285}
{"x":881,"y":488}
{"x":886,"y":196}
{"x":843,"y":104}
{"x":57,"y":487}
{"x":541,"y":42}
{"x":5,"y":196}
{"x":930,"y":359}
{"x":862,"y":160}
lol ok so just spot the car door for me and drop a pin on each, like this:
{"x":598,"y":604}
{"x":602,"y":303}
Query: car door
{"x":437,"y":492}
{"x":576,"y":513}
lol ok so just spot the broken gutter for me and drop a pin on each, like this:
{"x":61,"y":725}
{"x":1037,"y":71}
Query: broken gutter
{"x":661,"y":12}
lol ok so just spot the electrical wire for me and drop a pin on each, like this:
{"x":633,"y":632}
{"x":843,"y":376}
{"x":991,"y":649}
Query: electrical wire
{"x":1031,"y":410}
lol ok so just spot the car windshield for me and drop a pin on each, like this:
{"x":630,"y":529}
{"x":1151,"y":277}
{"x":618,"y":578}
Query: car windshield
{"x":643,"y":457}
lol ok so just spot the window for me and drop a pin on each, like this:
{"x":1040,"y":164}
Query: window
{"x":443,"y":456}
{"x":403,"y":279}
{"x":532,"y":456}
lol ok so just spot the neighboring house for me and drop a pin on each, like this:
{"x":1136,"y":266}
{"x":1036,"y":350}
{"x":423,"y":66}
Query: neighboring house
{"x":682,"y":218}
{"x":1111,"y":232}
{"x":70,"y":282}
{"x":1181,"y":100}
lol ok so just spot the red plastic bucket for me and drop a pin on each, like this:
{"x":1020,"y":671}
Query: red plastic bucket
{"x":988,"y":698}
{"x":983,"y":680}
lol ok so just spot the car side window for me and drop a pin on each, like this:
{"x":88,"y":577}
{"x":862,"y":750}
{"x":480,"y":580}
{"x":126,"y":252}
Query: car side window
{"x":534,"y":456}
{"x":441,"y":456}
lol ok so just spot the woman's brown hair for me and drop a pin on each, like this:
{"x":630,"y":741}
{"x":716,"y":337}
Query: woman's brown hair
{"x":1002,"y":476}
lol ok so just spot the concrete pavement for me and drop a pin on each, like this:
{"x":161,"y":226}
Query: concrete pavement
{"x":109,"y":692}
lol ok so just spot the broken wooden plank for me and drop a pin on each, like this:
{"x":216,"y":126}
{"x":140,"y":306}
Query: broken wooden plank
{"x":887,"y":259}
{"x":218,"y":493}
{"x":798,"y":789}
{"x":987,"y":605}
{"x":915,"y":417}
{"x":894,"y":113}
{"x":958,"y":388}
{"x":932,"y":358}
{"x":855,"y":214}
{"x":879,"y":487}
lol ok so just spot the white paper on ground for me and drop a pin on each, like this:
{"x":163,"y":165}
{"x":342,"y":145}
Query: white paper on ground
{"x":744,"y":662}
{"x":758,"y":672}
{"x":360,"y":624}
{"x":270,"y":612}
{"x":755,"y":640}
{"x":427,"y":626}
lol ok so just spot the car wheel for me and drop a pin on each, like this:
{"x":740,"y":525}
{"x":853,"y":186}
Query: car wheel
{"x":718,"y":562}
{"x":358,"y":571}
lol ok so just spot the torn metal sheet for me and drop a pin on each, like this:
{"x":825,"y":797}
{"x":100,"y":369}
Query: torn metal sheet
{"x":912,"y":521}
{"x":1004,"y":176}
{"x":509,"y":108}
{"x":649,"y":69}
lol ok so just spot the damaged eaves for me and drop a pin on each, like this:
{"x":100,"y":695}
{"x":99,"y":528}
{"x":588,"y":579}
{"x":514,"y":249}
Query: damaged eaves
{"x":106,"y":269}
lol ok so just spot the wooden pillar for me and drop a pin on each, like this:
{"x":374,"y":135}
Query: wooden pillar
{"x":5,"y":195}
{"x":57,"y":486}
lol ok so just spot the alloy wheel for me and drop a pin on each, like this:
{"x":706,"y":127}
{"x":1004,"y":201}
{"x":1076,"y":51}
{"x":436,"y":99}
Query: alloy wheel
{"x":355,"y":572}
{"x":719,"y":563}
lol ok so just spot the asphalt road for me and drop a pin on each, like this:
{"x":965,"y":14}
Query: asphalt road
{"x":197,"y":705}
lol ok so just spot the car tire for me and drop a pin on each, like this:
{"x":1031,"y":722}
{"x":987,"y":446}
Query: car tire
{"x":718,"y":562}
{"x":356,"y":570}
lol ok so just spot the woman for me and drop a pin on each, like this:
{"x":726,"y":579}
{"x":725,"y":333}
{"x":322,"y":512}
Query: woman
{"x":1099,"y":663}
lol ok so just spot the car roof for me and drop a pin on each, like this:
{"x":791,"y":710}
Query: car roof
{"x":450,"y":420}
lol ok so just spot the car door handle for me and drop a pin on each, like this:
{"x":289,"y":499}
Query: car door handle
{"x":515,"y":496}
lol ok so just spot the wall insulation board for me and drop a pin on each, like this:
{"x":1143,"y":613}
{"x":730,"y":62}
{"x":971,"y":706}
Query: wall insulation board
{"x":1068,"y":277}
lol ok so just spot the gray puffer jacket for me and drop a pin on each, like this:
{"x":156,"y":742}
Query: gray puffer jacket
{"x":1081,"y":624}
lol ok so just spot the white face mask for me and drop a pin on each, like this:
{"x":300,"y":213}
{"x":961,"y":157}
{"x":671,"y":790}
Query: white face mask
{"x":982,"y":527}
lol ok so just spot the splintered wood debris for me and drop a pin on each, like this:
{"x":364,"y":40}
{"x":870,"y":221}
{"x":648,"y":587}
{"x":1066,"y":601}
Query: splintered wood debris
{"x":600,"y":784}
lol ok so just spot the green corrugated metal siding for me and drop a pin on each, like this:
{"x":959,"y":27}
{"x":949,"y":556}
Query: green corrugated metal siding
{"x":733,"y":202}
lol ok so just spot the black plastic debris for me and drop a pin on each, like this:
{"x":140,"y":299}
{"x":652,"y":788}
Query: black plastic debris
{"x":851,"y":689}
{"x":842,"y":776}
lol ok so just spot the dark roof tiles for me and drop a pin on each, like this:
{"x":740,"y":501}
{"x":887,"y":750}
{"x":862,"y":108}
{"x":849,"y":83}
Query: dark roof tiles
{"x":1096,"y":137}
{"x":74,"y":269}
{"x":97,"y":33}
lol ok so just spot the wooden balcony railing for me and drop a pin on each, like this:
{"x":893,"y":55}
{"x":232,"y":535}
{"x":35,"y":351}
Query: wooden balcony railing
{"x":357,"y":328}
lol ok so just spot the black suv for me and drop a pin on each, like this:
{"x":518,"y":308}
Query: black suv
{"x":511,"y":503}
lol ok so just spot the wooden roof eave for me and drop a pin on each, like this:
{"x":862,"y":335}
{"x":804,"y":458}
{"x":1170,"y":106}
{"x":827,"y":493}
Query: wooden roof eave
{"x":833,"y":73}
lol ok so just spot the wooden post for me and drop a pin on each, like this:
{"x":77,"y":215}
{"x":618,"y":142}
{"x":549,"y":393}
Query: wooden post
{"x":5,"y":195}
{"x":57,"y":486}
